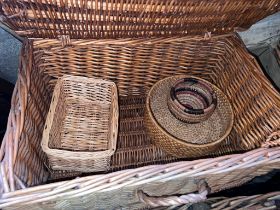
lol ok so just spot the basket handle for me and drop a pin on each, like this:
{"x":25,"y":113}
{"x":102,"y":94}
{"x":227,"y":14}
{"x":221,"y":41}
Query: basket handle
{"x":190,"y":198}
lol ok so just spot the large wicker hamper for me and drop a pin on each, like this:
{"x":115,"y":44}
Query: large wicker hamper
{"x":135,"y":43}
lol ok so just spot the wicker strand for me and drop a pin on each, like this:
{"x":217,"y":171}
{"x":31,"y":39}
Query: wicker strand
{"x":21,"y":13}
{"x":65,"y":40}
{"x":207,"y":36}
{"x":273,"y":140}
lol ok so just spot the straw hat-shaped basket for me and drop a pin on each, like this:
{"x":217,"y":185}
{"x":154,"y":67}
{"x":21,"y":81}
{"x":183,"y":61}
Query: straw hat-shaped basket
{"x":181,"y":139}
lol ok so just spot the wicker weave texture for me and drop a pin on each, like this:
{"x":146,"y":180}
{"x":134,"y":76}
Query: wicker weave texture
{"x":135,"y":65}
{"x":134,"y":146}
{"x":182,"y":139}
{"x":82,"y":124}
{"x":131,"y":18}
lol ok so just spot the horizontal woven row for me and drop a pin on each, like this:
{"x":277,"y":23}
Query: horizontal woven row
{"x":130,"y":18}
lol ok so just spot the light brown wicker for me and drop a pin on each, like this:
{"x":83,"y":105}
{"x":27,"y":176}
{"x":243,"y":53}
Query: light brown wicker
{"x":135,"y":65}
{"x":81,"y":128}
{"x":181,"y":139}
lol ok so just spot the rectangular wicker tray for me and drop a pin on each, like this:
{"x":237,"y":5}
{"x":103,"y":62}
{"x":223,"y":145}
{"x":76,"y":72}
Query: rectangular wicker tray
{"x":81,"y":128}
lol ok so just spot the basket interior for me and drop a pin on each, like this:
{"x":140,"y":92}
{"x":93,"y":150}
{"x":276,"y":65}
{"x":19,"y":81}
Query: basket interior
{"x":83,"y":110}
{"x":135,"y":65}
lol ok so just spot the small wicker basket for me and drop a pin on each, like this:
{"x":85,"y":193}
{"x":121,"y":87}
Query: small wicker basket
{"x":192,"y":100}
{"x":180,"y":139}
{"x":82,"y":124}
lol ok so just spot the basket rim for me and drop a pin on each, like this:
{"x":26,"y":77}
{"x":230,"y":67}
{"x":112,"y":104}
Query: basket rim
{"x":118,"y":178}
{"x":77,"y":155}
{"x":150,"y":114}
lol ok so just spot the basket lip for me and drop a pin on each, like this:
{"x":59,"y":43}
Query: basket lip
{"x":80,"y":78}
{"x":77,"y":154}
{"x":149,"y":112}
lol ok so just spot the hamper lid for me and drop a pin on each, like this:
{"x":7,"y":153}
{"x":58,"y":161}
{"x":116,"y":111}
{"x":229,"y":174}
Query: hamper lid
{"x":85,"y":19}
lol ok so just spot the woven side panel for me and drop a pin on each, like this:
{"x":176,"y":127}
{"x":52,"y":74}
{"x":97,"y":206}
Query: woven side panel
{"x":123,"y":194}
{"x":255,"y":102}
{"x":29,"y":149}
{"x":131,"y":18}
{"x":134,"y":66}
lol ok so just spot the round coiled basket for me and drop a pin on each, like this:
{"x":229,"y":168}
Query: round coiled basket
{"x":179,"y":138}
{"x":192,"y":100}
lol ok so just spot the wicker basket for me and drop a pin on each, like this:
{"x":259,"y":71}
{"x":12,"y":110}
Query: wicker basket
{"x":135,"y":65}
{"x":82,"y":124}
{"x":180,"y":139}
